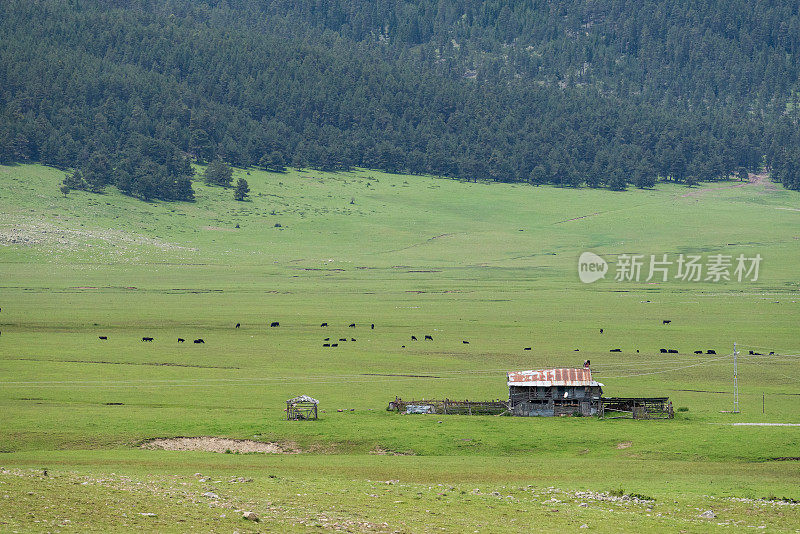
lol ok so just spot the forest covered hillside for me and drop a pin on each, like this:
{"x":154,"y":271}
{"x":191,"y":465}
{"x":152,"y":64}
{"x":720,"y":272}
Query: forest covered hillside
{"x":604,"y":94}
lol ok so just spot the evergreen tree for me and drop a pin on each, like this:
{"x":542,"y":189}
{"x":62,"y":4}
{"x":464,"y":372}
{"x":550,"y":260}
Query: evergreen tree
{"x":242,"y":189}
{"x":273,"y":161}
{"x":218,"y":173}
{"x":698,"y":88}
{"x":183,"y":188}
{"x":74,"y":180}
{"x":616,"y":180}
{"x":742,"y":174}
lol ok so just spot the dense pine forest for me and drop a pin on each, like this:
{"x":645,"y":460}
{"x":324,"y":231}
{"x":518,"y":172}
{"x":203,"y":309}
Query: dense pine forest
{"x":609,"y":93}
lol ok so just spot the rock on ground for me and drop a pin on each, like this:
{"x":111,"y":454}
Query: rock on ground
{"x":250,"y":516}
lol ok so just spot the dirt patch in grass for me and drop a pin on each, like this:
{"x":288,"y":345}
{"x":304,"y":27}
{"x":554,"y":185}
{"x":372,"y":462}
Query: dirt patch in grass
{"x":212,"y":444}
{"x":387,"y":452}
{"x":754,"y":179}
{"x":624,"y":444}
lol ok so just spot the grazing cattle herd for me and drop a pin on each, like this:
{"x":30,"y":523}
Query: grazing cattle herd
{"x":428,"y":337}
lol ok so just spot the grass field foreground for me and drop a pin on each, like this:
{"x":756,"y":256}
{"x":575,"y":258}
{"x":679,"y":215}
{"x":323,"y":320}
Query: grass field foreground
{"x":491,"y":264}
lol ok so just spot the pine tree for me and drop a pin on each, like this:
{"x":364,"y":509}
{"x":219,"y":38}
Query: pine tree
{"x":241,"y":189}
{"x":183,"y":188}
{"x":273,"y":162}
{"x":218,"y":173}
{"x":74,"y":180}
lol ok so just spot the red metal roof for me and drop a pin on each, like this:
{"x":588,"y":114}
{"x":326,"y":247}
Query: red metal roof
{"x":552,"y":377}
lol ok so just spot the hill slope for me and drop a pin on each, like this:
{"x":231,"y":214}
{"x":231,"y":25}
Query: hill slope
{"x":615,"y":94}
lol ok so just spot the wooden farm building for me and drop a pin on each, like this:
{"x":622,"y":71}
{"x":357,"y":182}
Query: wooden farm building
{"x":552,"y":392}
{"x":548,"y":393}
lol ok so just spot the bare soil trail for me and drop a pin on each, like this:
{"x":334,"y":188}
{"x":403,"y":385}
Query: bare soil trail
{"x":761,"y":179}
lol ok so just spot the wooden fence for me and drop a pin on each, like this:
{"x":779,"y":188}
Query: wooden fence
{"x":636,"y":408}
{"x":451,"y":407}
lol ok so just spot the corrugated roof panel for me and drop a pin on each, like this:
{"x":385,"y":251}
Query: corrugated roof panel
{"x":552,"y":377}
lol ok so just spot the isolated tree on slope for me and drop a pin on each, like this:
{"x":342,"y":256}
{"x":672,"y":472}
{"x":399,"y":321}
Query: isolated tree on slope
{"x":241,"y":189}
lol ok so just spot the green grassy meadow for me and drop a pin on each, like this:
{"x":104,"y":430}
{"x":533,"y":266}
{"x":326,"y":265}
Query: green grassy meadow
{"x":492,"y":264}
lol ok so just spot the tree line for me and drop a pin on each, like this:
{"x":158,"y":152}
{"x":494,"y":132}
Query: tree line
{"x":131,"y":93}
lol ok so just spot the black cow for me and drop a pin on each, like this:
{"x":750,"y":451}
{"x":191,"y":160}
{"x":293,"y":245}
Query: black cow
{"x":413,"y":338}
{"x":326,"y":344}
{"x":199,"y":341}
{"x":275,"y":323}
{"x":615,"y":350}
{"x":326,"y":339}
{"x":352,"y":339}
{"x":352,"y":325}
{"x":527,"y":348}
{"x":324,"y":324}
{"x":428,"y":338}
{"x":698,"y":352}
{"x":342,"y":339}
{"x":181,"y":340}
{"x":663,"y":351}
{"x":672,"y":351}
{"x":666,"y":321}
{"x":372,"y":326}
{"x":711,"y":351}
{"x":104,"y":338}
{"x":334,"y":344}
{"x":601,"y":330}
{"x":238,"y":325}
{"x":465,"y":342}
{"x":772,"y":352}
{"x":147,"y":339}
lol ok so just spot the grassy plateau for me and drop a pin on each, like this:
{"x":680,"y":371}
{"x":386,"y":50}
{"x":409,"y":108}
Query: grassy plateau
{"x":492,"y":264}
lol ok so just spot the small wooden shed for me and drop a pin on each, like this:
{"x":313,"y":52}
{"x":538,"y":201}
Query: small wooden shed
{"x":301,"y":408}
